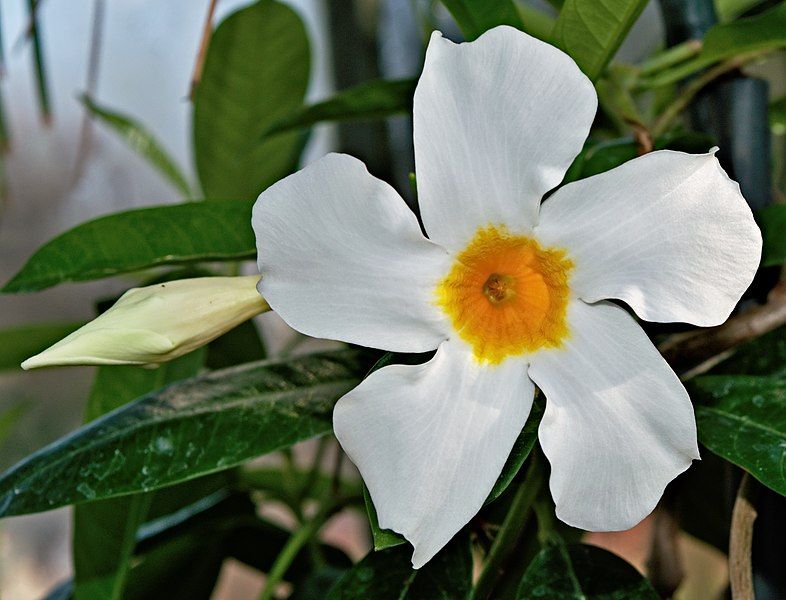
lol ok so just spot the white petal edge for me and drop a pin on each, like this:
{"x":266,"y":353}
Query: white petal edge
{"x":618,"y":425}
{"x":343,"y":258}
{"x":430,"y":440}
{"x":497,"y":123}
{"x":668,"y":233}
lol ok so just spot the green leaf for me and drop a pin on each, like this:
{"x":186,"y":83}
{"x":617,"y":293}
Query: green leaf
{"x":388,"y":574}
{"x":477,"y":16}
{"x":743,"y":419}
{"x":142,"y":142}
{"x":140,"y":239}
{"x":761,"y":33}
{"x":778,"y":116}
{"x":20,"y":343}
{"x":772,"y":221}
{"x":105,"y":532}
{"x":729,"y":10}
{"x":764,"y":355}
{"x":581,"y":572}
{"x":192,"y":428}
{"x":240,"y":345}
{"x":383,"y":538}
{"x":369,"y":100}
{"x":9,"y":417}
{"x":591,"y":31}
{"x":256,"y":72}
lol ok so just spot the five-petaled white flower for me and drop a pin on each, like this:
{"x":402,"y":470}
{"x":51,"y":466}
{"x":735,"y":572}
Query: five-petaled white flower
{"x":511,"y":293}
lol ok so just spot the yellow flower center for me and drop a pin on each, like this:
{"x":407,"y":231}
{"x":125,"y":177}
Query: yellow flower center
{"x":506,"y":296}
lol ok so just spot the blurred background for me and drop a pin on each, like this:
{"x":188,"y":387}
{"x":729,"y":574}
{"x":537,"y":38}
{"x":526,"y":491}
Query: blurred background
{"x":58,"y":170}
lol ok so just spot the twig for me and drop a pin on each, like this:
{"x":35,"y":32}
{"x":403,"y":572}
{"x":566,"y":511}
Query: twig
{"x":91,"y":83}
{"x":687,"y":350}
{"x":688,"y":93}
{"x":207,"y":31}
{"x":38,"y":63}
{"x":741,"y":540}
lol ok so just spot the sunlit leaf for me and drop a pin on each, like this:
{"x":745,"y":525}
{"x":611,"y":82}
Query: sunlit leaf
{"x":581,"y":572}
{"x":189,"y":429}
{"x":388,"y":574}
{"x":763,"y":32}
{"x":142,"y":142}
{"x":591,"y":31}
{"x":20,"y":343}
{"x":256,"y":72}
{"x":369,"y":100}
{"x":743,"y":419}
{"x":140,"y":239}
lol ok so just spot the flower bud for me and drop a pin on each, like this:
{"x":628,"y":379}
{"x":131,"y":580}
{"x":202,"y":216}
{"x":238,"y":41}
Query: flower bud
{"x":158,"y":323}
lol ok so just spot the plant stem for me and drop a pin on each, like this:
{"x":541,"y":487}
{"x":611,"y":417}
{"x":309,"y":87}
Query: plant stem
{"x":741,"y":541}
{"x":669,"y":58}
{"x":509,"y":532}
{"x":688,"y":93}
{"x":294,"y":545}
{"x":207,"y":32}
{"x":38,"y":62}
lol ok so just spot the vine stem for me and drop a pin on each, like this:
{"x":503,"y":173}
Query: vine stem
{"x":686,"y":96}
{"x":510,"y":531}
{"x":294,"y":545}
{"x":741,"y":541}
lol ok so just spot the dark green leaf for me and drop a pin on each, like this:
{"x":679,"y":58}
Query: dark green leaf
{"x":388,"y":574}
{"x":477,"y":16}
{"x":591,"y":31}
{"x":581,"y":572}
{"x":772,"y":221}
{"x":142,"y":142}
{"x":764,"y":32}
{"x":743,"y":419}
{"x":241,"y":345}
{"x":141,"y":239}
{"x":369,"y":100}
{"x":105,"y":532}
{"x":9,"y":417}
{"x":20,"y":343}
{"x":383,"y":538}
{"x":199,"y":426}
{"x":778,"y":116}
{"x":256,"y":72}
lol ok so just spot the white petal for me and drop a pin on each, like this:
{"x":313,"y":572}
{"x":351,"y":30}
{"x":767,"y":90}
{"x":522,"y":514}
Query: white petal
{"x":497,"y":122}
{"x":430,"y":440}
{"x":618,"y":424}
{"x":343,"y":258}
{"x":668,"y":233}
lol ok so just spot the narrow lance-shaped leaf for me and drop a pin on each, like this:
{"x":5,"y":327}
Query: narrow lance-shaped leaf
{"x":369,"y":100}
{"x":105,"y":532}
{"x":140,"y":239}
{"x":192,"y":428}
{"x":142,"y":142}
{"x":256,"y":71}
{"x":591,"y":31}
{"x":581,"y":572}
{"x":761,"y":33}
{"x":743,"y":419}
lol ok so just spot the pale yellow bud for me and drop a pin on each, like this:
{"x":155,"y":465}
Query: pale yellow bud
{"x":157,"y":323}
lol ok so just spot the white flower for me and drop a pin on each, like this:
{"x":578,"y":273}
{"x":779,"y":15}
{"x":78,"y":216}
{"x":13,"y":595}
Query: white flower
{"x":157,"y":323}
{"x":509,"y":292}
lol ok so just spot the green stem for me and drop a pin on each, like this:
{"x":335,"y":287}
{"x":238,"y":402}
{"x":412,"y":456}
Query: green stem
{"x":294,"y":545}
{"x":669,"y":58}
{"x":510,"y":531}
{"x":38,"y":60}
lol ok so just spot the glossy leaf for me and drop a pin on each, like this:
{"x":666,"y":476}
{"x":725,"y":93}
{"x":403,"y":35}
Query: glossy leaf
{"x":591,"y":31}
{"x":477,"y":16}
{"x":256,"y":72}
{"x":369,"y":100}
{"x":764,"y":355}
{"x":192,"y":428}
{"x":772,"y":221}
{"x":761,"y":33}
{"x":20,"y":343}
{"x":105,"y":532}
{"x":581,"y":572}
{"x":743,"y":419}
{"x":140,"y":239}
{"x":388,"y":574}
{"x":142,"y":142}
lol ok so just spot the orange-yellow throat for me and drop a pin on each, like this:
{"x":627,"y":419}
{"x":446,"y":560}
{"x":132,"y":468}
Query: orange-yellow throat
{"x":506,"y":296}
